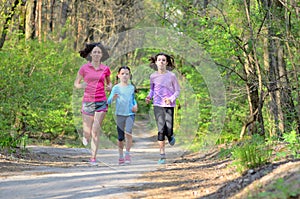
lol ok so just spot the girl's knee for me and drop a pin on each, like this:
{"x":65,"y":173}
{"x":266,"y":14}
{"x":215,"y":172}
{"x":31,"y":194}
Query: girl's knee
{"x":170,"y":134}
{"x":160,"y":136}
{"x":121,"y":138}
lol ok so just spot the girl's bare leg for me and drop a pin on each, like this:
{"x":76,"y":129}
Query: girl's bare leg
{"x":161,"y":147}
{"x":128,"y":138}
{"x":121,"y":146}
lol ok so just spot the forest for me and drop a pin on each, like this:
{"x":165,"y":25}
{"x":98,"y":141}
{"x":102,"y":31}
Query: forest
{"x":238,"y":62}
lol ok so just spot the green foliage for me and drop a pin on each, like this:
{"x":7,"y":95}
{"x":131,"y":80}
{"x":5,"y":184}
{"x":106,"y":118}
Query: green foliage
{"x":225,"y":152}
{"x":235,"y":116}
{"x":293,"y":141}
{"x":37,"y":78}
{"x":36,"y":89}
{"x":280,"y":189}
{"x":37,"y":92}
{"x":286,"y":146}
{"x":252,"y":153}
{"x":10,"y":142}
{"x":140,"y":97}
{"x":109,"y":128}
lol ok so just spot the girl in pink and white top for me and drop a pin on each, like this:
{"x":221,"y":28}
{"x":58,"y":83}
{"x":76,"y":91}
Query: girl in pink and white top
{"x":164,"y":89}
{"x":94,"y":78}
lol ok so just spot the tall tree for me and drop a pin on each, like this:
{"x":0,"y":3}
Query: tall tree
{"x":282,"y":104}
{"x":38,"y":20}
{"x":8,"y":17}
{"x":253,"y":76}
{"x":30,"y":22}
{"x":259,"y":34}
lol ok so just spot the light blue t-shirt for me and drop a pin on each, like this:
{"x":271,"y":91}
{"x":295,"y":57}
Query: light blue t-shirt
{"x":125,"y":100}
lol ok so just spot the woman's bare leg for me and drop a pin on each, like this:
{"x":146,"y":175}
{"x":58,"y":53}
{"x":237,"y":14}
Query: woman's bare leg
{"x":87,"y":126}
{"x":96,"y":128}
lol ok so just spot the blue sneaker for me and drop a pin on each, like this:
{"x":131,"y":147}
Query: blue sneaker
{"x":161,"y":161}
{"x":172,"y":141}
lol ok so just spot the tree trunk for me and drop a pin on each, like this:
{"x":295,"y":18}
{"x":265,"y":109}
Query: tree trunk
{"x":38,"y":20}
{"x":63,"y":20}
{"x":255,"y":123}
{"x":30,"y":16}
{"x":73,"y":22}
{"x":282,"y":105}
{"x":7,"y":22}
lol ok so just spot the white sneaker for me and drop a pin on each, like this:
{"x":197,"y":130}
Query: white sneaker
{"x":84,"y":141}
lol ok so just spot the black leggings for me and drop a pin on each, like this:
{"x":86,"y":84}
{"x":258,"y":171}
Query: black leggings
{"x":164,"y":120}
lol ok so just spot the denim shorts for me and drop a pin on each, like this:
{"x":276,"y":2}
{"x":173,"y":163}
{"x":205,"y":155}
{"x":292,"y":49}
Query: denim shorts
{"x":89,"y":108}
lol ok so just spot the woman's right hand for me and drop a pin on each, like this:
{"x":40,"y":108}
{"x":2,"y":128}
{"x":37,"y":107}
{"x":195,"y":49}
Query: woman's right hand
{"x":78,"y":83}
{"x":83,"y":85}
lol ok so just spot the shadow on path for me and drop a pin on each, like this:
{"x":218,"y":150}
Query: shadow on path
{"x":107,"y":180}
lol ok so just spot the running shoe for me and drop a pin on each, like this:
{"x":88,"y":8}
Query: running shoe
{"x":93,"y":161}
{"x":127,"y":159}
{"x":161,"y":161}
{"x":121,"y":161}
{"x":84,"y":141}
{"x":172,"y":141}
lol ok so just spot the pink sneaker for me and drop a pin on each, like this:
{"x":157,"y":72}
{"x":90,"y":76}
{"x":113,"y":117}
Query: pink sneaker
{"x":93,"y":161}
{"x":121,"y":161}
{"x":127,"y":159}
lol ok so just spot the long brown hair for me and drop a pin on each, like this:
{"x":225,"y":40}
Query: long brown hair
{"x":170,"y":60}
{"x":85,"y":53}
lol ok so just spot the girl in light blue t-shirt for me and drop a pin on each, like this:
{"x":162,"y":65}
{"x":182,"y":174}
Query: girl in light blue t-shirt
{"x":126,"y":107}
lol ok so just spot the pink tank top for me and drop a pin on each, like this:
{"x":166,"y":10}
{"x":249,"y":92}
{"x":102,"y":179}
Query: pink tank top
{"x":95,"y":80}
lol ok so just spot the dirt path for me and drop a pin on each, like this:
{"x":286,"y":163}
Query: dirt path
{"x":53,"y":172}
{"x":64,"y":172}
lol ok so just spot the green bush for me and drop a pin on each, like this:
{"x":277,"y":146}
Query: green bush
{"x":36,"y":91}
{"x":293,"y":143}
{"x":252,"y":153}
{"x":279,"y":189}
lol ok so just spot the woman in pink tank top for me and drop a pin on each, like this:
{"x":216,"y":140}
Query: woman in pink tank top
{"x":94,"y":78}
